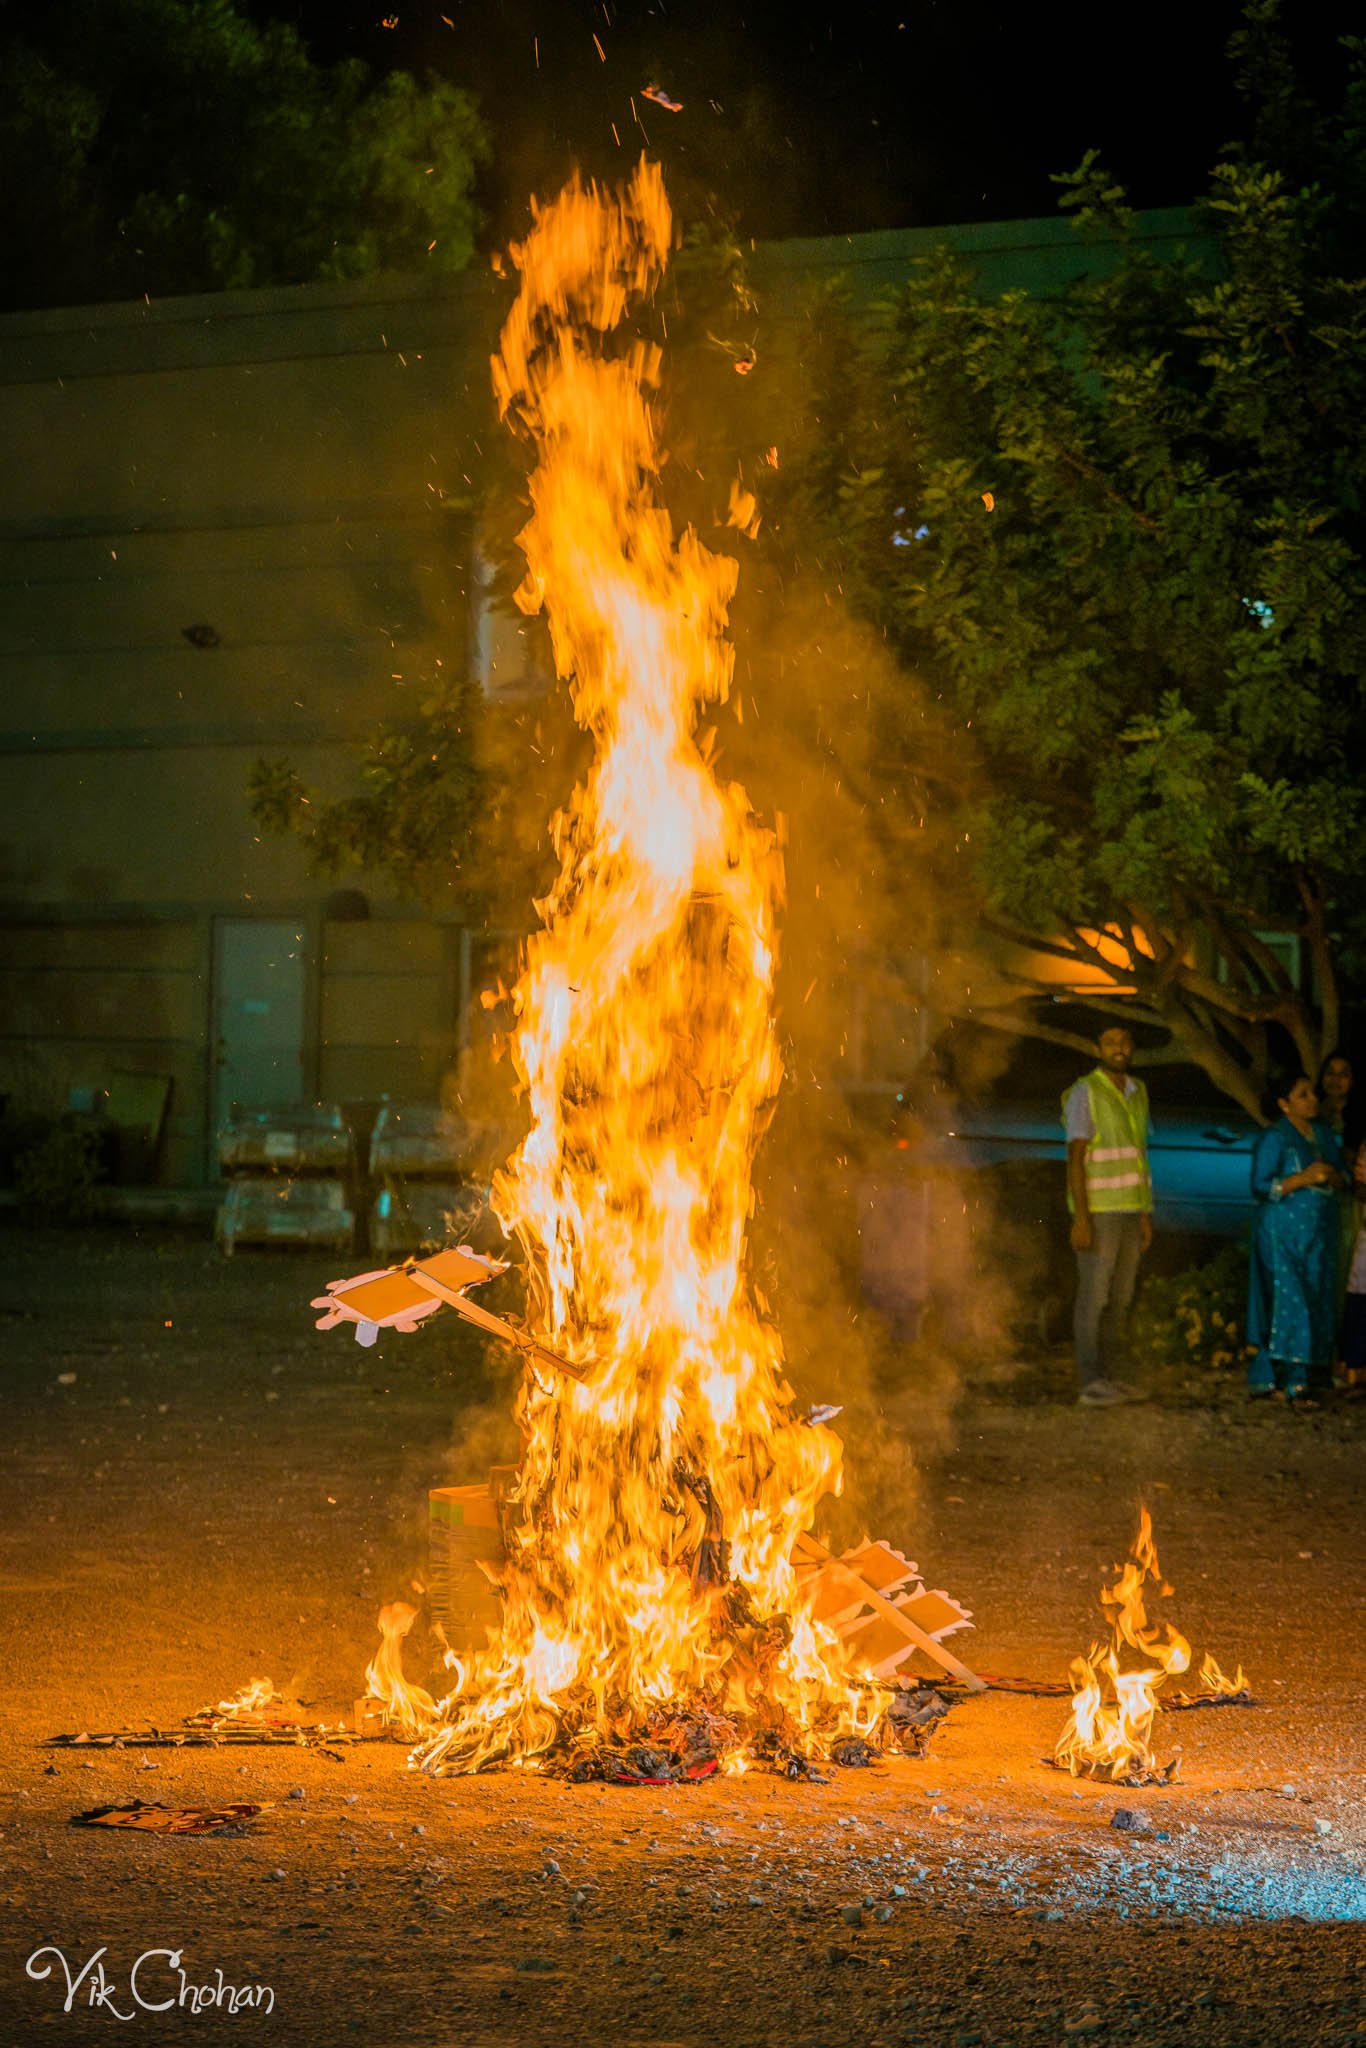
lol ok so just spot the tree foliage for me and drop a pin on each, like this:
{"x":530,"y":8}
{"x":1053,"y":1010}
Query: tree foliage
{"x":414,"y":814}
{"x":456,"y":803}
{"x":1120,"y":534}
{"x":173,"y":146}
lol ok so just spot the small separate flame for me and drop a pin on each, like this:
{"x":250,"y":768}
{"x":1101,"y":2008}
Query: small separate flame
{"x":1113,"y":1709}
{"x":408,"y":1706}
{"x":1218,"y":1683}
{"x":1109,"y":1733}
{"x":252,"y":1703}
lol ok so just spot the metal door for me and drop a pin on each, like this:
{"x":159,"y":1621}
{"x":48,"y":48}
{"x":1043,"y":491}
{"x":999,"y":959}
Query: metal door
{"x":259,"y":988}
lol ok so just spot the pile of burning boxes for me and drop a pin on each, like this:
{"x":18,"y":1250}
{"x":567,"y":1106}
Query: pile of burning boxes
{"x":873,"y":1597}
{"x":465,"y":1553}
{"x":297,"y":1176}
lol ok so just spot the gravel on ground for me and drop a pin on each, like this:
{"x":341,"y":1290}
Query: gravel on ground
{"x":200,"y":1490}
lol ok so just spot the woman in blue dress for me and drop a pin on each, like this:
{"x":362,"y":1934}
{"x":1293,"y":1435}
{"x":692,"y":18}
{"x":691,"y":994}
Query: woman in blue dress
{"x":1297,"y":1173}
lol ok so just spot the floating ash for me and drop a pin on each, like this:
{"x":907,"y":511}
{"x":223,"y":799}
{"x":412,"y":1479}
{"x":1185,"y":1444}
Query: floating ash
{"x":652,"y":1625}
{"x":1109,"y":1731}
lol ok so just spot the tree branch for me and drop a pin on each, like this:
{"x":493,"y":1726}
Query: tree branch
{"x":1021,"y":1026}
{"x":1275,"y":1008}
{"x":1076,"y":950}
{"x":1082,"y":467}
{"x":1316,"y":934}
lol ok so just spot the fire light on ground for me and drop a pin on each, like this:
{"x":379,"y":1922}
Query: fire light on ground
{"x":649,"y":1596}
{"x":1109,"y":1732}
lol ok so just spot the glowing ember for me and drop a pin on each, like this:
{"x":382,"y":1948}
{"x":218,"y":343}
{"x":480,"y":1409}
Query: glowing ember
{"x":1113,"y":1708}
{"x":649,"y":1598}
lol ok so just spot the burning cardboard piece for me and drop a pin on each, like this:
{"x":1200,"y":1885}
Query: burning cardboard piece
{"x":465,"y":1557}
{"x":874,"y":1599}
{"x":153,"y":1818}
{"x":401,"y":1297}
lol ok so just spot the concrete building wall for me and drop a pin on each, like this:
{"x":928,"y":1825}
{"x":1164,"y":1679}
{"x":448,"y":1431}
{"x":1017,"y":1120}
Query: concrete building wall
{"x":83,"y":1003}
{"x":276,"y":474}
{"x":390,"y":1023}
{"x":1039,"y":256}
{"x":277,"y":468}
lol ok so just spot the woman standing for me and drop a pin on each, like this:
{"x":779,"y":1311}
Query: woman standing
{"x":1292,"y":1308}
{"x":1340,"y":1108}
{"x":1338,"y":1105}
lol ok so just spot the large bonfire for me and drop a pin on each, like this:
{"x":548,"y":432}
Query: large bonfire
{"x":649,"y":1595}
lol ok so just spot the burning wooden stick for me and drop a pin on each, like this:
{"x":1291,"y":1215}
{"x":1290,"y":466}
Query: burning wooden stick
{"x":401,"y":1297}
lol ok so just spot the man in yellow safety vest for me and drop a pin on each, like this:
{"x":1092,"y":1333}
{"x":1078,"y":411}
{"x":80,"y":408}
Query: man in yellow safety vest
{"x":1110,"y":1196}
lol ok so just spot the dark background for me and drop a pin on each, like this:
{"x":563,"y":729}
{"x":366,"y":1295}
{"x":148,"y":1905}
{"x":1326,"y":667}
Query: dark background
{"x":835,"y":120}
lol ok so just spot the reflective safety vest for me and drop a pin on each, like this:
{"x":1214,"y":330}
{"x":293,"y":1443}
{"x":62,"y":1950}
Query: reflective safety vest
{"x":1117,"y":1176}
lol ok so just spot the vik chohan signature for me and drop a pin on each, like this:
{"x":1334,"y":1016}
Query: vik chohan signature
{"x":155,"y":1983}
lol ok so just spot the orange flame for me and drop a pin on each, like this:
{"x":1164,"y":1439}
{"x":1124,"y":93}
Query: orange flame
{"x":1217,"y":1682}
{"x":413,"y":1709}
{"x":250,"y":1703}
{"x":659,"y":1498}
{"x":1112,"y":1738}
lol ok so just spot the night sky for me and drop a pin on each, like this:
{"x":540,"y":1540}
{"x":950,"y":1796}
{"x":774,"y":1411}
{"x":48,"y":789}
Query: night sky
{"x":827,"y":120}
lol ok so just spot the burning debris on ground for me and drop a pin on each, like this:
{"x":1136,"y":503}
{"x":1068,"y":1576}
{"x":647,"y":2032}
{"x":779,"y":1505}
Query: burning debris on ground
{"x":151,"y":1817}
{"x":1235,"y":1882}
{"x":1114,"y":1704}
{"x":613,"y":1741}
{"x":471,"y":1530}
{"x":255,"y":1717}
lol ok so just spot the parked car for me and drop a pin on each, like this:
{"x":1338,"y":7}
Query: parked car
{"x":993,"y":1201}
{"x":1201,"y":1165}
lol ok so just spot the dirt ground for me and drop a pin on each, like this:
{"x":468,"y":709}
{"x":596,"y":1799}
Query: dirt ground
{"x":199,"y":1490}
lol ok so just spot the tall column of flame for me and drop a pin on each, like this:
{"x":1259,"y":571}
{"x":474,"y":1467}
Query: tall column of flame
{"x":660,"y":1497}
